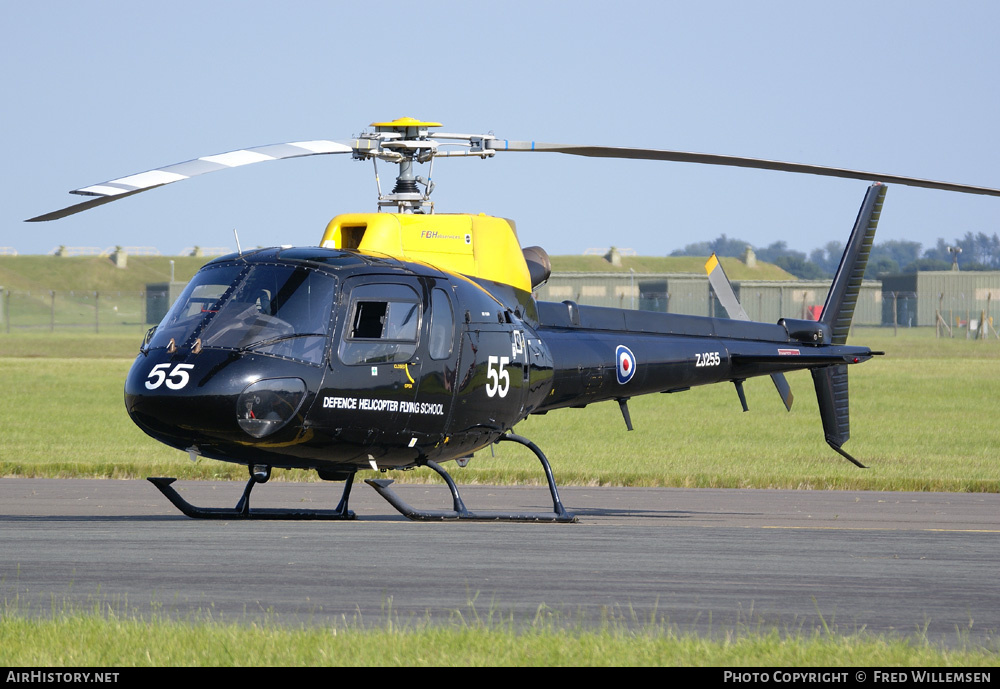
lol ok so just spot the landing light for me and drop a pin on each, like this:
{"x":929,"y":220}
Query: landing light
{"x":267,"y":405}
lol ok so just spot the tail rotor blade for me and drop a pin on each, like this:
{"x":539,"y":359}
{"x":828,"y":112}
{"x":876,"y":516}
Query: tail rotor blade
{"x":783,"y":389}
{"x":724,"y":289}
{"x":727,"y":297}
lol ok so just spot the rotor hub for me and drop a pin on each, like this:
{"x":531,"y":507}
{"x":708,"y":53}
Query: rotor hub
{"x":403,"y":142}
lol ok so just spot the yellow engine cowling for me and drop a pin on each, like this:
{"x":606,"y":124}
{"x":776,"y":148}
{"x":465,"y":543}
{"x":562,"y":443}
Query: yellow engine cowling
{"x":474,"y":245}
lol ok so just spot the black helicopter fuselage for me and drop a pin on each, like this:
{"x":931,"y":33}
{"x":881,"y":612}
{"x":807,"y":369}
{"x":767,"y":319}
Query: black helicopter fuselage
{"x":337,"y":360}
{"x":412,"y":337}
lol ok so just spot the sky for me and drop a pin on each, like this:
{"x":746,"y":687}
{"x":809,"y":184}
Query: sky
{"x":95,"y":91}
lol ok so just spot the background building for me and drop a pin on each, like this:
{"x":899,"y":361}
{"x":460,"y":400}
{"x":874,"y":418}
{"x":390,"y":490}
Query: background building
{"x":689,"y":293}
{"x":959,"y":297}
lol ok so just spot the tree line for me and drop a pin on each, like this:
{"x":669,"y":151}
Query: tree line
{"x":978,"y":252}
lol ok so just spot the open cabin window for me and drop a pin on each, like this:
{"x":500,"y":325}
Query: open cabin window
{"x":383,"y":327}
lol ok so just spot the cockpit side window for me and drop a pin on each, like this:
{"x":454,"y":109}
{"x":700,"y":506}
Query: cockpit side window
{"x":383,"y":326}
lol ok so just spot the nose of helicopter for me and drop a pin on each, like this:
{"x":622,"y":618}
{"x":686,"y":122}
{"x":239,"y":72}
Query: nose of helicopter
{"x":220,"y":401}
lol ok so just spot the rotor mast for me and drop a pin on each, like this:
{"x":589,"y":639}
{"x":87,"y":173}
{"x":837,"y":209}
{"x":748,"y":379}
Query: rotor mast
{"x":407,"y":141}
{"x":403,"y":142}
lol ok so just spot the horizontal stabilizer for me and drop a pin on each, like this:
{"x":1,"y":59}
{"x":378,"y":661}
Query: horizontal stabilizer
{"x":811,"y":357}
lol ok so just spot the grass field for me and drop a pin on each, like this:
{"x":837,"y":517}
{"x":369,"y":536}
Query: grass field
{"x":921,"y":420}
{"x":89,"y":273}
{"x":102,"y":639}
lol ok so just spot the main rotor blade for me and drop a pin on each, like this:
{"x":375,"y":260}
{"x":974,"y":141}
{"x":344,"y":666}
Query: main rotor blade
{"x":80,"y":207}
{"x":144,"y":181}
{"x":733,"y":161}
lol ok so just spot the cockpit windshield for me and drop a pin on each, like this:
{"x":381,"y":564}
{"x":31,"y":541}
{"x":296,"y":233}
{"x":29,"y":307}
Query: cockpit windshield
{"x":269,"y":309}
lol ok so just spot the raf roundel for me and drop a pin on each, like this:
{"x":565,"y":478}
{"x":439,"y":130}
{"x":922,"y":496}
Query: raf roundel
{"x":626,"y":364}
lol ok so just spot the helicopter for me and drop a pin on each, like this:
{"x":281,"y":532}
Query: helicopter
{"x":408,"y":338}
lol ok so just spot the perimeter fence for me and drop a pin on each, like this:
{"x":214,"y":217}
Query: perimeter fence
{"x":121,"y":311}
{"x":82,"y":310}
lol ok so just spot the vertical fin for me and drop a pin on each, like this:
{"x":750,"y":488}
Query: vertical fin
{"x":834,"y":406}
{"x":843,"y":297}
{"x":831,"y":381}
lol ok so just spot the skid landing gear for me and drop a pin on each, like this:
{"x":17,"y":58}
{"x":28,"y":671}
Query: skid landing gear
{"x":258,"y":474}
{"x":558,"y":514}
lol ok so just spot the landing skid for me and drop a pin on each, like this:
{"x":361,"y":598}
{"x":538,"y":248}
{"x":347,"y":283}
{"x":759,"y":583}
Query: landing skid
{"x":242,"y":509}
{"x":460,"y":512}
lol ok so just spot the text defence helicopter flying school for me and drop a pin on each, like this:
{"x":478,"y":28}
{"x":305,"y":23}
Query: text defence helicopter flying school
{"x":410,"y":338}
